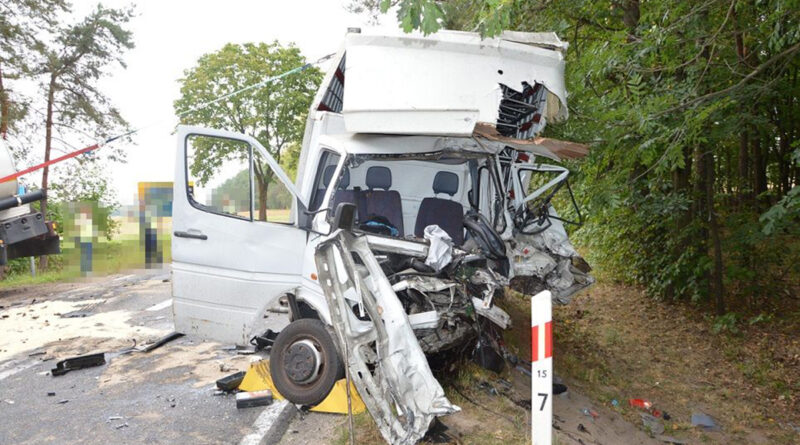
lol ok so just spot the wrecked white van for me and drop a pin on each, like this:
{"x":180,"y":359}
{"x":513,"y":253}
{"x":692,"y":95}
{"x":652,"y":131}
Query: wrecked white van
{"x":422,"y":191}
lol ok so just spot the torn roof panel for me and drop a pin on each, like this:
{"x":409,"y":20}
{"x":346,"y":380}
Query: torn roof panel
{"x":445,"y":83}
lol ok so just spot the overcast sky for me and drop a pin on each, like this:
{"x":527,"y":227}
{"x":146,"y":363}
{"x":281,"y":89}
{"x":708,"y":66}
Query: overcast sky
{"x":171,"y":35}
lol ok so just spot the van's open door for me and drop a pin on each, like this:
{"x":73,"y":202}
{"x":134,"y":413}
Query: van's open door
{"x":236,"y":246}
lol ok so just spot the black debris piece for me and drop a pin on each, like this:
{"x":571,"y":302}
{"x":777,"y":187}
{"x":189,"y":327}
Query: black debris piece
{"x":231,"y":382}
{"x":265,"y":340}
{"x":252,"y":399}
{"x":487,"y":356}
{"x":162,"y":341}
{"x":80,"y":362}
{"x":437,"y":433}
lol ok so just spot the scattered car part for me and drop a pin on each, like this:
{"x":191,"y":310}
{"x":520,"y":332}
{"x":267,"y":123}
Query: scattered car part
{"x":252,"y":399}
{"x":80,"y":362}
{"x":161,"y":342}
{"x":265,"y":340}
{"x":386,"y":362}
{"x":231,"y":382}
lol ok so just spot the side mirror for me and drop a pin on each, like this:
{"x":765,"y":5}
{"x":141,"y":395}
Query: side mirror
{"x":345,"y":216}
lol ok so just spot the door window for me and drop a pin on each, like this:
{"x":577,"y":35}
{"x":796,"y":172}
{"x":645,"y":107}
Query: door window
{"x":218,"y":175}
{"x":227,"y":177}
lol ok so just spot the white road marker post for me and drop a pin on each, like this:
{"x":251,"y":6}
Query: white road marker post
{"x":542,"y":368}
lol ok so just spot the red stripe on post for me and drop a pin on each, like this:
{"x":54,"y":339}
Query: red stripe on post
{"x":548,"y":339}
{"x":534,"y":343}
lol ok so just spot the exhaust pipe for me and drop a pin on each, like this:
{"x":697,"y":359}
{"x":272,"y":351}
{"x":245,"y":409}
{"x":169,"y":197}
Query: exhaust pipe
{"x":18,"y":200}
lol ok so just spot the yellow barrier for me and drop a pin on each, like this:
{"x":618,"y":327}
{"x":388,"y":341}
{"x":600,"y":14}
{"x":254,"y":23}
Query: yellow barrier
{"x":258,"y":378}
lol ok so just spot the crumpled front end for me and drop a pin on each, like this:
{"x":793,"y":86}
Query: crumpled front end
{"x":384,"y":358}
{"x":547,"y":261}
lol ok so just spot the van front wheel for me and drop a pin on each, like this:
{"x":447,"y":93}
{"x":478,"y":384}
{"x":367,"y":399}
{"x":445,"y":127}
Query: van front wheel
{"x":304,"y":363}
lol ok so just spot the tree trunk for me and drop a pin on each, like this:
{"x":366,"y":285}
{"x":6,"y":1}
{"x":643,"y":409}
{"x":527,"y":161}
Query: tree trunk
{"x":759,"y":169}
{"x":630,"y":17}
{"x":48,"y":139}
{"x":717,"y":287}
{"x":744,"y":169}
{"x":4,"y":107}
{"x":263,"y":187}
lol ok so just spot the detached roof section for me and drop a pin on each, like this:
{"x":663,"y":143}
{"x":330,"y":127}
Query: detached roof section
{"x":446,"y":83}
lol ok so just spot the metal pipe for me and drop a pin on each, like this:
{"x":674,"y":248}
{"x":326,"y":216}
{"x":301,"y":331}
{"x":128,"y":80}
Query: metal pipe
{"x":18,"y":200}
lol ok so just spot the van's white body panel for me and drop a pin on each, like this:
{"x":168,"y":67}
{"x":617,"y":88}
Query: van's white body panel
{"x":442,"y":84}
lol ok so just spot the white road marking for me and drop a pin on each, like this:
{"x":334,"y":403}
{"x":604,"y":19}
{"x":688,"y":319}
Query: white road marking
{"x":274,"y":417}
{"x":163,"y":305}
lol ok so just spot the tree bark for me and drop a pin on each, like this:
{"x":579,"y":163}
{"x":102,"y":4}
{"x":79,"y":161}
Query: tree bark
{"x":4,"y":107}
{"x":263,"y":186}
{"x":717,"y":287}
{"x":48,"y":139}
{"x":630,"y":17}
{"x":759,"y":168}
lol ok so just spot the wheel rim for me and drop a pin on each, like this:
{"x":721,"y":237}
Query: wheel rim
{"x":302,"y":362}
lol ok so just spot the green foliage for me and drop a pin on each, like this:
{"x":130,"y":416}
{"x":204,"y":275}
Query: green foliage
{"x":274,"y":114}
{"x":238,"y":189}
{"x":664,"y":92}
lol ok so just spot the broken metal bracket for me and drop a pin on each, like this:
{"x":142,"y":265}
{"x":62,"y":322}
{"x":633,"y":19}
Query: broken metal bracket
{"x":386,"y":363}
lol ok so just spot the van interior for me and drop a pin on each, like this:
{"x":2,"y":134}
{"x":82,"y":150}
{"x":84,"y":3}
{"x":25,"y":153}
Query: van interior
{"x":399,"y":196}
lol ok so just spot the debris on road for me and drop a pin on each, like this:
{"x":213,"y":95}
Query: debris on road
{"x":51,"y":394}
{"x":162,"y":341}
{"x":265,"y":340}
{"x":231,"y":382}
{"x":80,"y":362}
{"x":61,"y":402}
{"x":252,"y":399}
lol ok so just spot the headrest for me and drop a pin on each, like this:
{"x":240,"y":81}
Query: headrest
{"x":327,"y":175}
{"x":445,"y":182}
{"x":379,"y":178}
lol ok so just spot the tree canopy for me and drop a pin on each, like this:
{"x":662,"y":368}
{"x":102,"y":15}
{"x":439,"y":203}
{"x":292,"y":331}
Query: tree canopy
{"x":274,"y":114}
{"x":691,"y":110}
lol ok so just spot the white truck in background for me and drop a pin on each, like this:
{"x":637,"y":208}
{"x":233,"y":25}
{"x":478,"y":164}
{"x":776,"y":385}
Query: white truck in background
{"x":423,"y":190}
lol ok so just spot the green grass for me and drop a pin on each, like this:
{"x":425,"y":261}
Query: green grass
{"x":108,"y":257}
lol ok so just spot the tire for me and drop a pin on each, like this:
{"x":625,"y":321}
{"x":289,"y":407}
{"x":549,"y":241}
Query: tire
{"x":330,"y":368}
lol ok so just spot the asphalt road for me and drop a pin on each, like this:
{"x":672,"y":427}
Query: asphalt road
{"x":165,"y":396}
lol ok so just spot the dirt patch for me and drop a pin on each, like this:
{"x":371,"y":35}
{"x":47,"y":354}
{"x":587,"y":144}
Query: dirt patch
{"x":614,"y":343}
{"x":202,"y":362}
{"x":31,"y":326}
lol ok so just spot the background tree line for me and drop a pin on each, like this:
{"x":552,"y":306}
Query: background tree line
{"x":691,"y":110}
{"x":50,"y":62}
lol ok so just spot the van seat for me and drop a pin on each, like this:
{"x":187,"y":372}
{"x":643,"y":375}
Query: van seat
{"x":446,"y":213}
{"x":385,"y":203}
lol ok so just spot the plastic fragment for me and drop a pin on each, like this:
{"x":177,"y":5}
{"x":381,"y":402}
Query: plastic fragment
{"x":704,"y":421}
{"x":640,"y":403}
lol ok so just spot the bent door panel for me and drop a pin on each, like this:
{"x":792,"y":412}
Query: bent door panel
{"x":235,"y":248}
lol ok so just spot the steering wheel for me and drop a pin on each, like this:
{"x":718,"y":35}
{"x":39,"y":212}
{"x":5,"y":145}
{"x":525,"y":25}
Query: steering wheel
{"x":487,"y":238}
